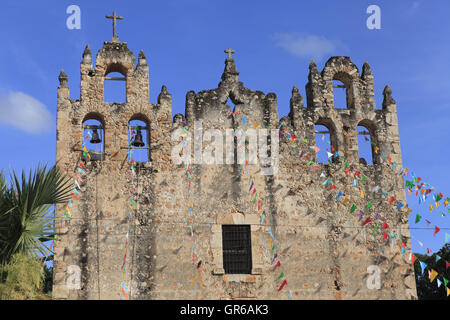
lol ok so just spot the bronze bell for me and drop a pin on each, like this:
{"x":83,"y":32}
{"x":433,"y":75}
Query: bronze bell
{"x":137,"y":142}
{"x":95,"y":137}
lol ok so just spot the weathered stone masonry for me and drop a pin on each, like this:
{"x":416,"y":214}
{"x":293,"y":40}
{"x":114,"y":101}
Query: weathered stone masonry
{"x":323,"y":248}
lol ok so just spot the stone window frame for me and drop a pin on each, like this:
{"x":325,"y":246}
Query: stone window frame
{"x":217,"y":249}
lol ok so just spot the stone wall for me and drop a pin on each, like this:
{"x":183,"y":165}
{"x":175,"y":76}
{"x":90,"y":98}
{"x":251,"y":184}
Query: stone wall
{"x":323,"y":249}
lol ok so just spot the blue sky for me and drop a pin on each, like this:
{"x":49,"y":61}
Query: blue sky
{"x":274,"y":42}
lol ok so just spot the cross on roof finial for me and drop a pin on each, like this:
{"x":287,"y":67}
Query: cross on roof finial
{"x":115,"y":17}
{"x":230,"y":52}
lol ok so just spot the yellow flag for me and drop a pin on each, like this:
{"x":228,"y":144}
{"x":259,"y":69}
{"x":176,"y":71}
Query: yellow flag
{"x":433,"y":275}
{"x":448,"y":292}
{"x":346,"y":200}
{"x":376,"y":149}
{"x":445,"y":202}
{"x":362,"y":193}
{"x":255,"y":125}
{"x":438,"y":204}
{"x":431,"y":207}
{"x":422,"y":192}
{"x":408,"y":211}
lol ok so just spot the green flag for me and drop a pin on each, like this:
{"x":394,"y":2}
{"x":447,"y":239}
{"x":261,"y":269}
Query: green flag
{"x":353,"y":208}
{"x":418,"y":217}
{"x":375,"y":229}
{"x":363,"y":179}
{"x":281,"y":275}
{"x":369,"y":205}
{"x":445,"y":281}
{"x":346,"y":165}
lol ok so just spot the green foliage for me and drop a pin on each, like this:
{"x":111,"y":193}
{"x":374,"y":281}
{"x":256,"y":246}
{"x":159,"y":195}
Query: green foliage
{"x":425,"y":289}
{"x":22,"y":279}
{"x":26,"y":220}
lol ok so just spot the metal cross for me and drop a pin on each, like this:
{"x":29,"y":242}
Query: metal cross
{"x":114,"y":17}
{"x":230,"y":52}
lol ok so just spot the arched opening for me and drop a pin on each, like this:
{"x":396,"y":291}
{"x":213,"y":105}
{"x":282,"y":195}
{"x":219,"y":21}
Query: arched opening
{"x":138,"y":139}
{"x":368,"y":148}
{"x":115,"y":84}
{"x":342,"y":90}
{"x":326,"y":140}
{"x":93,"y":138}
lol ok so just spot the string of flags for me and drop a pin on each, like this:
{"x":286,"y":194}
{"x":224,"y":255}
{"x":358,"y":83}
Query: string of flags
{"x":409,"y":185}
{"x":125,"y":293}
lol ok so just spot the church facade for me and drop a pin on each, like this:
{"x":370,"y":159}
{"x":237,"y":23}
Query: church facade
{"x":150,"y":228}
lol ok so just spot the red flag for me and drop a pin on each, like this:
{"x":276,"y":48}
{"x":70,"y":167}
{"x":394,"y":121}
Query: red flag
{"x":81,"y":162}
{"x":332,"y":187}
{"x":390,"y":160}
{"x":436,"y":230}
{"x":447,"y":264}
{"x":73,"y":195}
{"x":391,"y":199}
{"x":357,"y":173}
{"x":413,"y":258}
{"x":385,"y":226}
{"x":278,"y":264}
{"x":259,"y":205}
{"x":282,"y":285}
{"x":418,"y":179}
{"x":332,"y":149}
{"x":367,"y":221}
{"x":385,"y":235}
{"x":404,"y":245}
{"x":428,"y":251}
{"x":254,"y":190}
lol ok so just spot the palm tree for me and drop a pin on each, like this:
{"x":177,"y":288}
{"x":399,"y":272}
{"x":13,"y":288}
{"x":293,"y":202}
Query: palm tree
{"x":26,"y":217}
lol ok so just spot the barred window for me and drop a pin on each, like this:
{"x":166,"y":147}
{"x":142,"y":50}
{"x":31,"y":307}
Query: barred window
{"x":237,"y":249}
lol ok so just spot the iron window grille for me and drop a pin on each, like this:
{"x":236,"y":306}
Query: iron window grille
{"x":237,"y":249}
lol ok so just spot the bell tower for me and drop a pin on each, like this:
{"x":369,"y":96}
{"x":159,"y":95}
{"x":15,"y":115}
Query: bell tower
{"x":97,"y":228}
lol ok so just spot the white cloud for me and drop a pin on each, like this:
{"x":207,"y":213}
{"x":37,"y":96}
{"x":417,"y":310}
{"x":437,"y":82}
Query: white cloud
{"x":306,"y":45}
{"x":25,"y":113}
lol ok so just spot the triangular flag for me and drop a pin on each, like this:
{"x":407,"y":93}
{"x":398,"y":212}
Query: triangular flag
{"x":423,"y":265}
{"x":367,"y":221}
{"x":433,"y":275}
{"x":447,"y":264}
{"x":438,"y":258}
{"x":362,"y":194}
{"x":377,"y":216}
{"x":447,"y":237}
{"x":281,"y":275}
{"x":317,"y":149}
{"x":385,"y":226}
{"x":375,"y":229}
{"x":428,"y":251}
{"x":445,"y":281}
{"x":332,"y":187}
{"x":339,"y":195}
{"x":413,"y":259}
{"x":418,"y":217}
{"x":278,"y":264}
{"x":329,"y":154}
{"x":402,"y":251}
{"x":436,"y":230}
{"x":360,"y":215}
{"x":399,"y":205}
{"x":353,"y":208}
{"x":438,"y":282}
{"x":369,"y":205}
{"x":385,"y":236}
{"x":282,"y":285}
{"x":448,"y":292}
